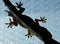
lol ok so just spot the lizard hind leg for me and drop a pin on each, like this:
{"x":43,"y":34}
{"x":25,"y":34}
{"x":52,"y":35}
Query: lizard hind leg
{"x":29,"y":33}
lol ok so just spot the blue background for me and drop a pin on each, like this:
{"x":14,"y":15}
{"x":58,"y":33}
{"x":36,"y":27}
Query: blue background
{"x":35,"y":9}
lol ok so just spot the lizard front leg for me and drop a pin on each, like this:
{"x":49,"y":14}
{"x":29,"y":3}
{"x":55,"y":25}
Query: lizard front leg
{"x":10,"y":24}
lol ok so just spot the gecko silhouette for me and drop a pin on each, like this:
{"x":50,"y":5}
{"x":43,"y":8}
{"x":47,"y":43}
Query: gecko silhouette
{"x":15,"y":22}
{"x":41,"y":31}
